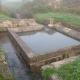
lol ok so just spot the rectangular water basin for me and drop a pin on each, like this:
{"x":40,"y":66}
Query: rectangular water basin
{"x":47,"y":40}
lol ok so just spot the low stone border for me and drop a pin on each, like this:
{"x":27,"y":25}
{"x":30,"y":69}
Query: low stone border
{"x":57,"y":65}
{"x":27,"y":28}
{"x":50,"y":22}
{"x":68,"y":31}
{"x":21,"y":47}
{"x":19,"y":25}
{"x":71,"y":27}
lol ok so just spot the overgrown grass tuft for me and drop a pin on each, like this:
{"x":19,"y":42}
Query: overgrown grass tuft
{"x":48,"y":72}
{"x":70,"y":71}
{"x":71,"y":19}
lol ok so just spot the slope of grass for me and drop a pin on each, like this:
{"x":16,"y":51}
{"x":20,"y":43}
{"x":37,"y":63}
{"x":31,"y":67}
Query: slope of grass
{"x":70,"y":71}
{"x":4,"y":17}
{"x":71,"y":19}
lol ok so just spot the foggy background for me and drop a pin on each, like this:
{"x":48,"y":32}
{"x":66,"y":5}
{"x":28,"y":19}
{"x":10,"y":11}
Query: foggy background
{"x":30,"y":7}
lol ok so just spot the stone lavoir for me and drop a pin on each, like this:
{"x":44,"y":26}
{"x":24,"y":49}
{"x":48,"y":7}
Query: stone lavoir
{"x":36,"y":61}
{"x":33,"y":60}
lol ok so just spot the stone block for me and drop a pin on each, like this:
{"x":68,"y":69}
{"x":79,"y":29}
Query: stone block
{"x":22,"y":23}
{"x":48,"y":21}
{"x":16,"y":29}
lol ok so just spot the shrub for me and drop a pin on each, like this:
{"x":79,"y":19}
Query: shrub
{"x":7,"y":12}
{"x":41,"y":9}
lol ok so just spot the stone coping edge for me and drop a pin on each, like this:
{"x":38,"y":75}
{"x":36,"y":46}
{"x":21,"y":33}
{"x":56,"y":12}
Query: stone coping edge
{"x":67,"y":31}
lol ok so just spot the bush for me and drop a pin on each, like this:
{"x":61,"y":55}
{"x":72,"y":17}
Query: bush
{"x":67,"y":10}
{"x":4,"y":17}
{"x":7,"y":12}
{"x":41,"y":9}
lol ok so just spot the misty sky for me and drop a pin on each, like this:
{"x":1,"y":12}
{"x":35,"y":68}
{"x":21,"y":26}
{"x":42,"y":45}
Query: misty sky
{"x":4,"y":1}
{"x":10,"y":0}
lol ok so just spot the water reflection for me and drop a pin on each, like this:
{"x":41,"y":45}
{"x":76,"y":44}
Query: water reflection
{"x":47,"y":40}
{"x":47,"y":31}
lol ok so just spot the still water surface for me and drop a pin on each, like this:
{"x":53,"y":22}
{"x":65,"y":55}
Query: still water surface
{"x":47,"y":40}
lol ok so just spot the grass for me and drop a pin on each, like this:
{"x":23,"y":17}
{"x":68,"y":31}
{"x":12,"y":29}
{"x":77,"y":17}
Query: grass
{"x":4,"y":17}
{"x":48,"y":72}
{"x":66,"y":18}
{"x":70,"y":71}
{"x":7,"y":12}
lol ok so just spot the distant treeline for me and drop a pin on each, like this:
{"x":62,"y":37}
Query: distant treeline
{"x":44,"y":6}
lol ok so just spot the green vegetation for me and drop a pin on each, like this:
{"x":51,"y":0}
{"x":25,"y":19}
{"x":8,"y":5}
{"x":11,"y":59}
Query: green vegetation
{"x":71,"y":19}
{"x":48,"y":72}
{"x":7,"y":12}
{"x":4,"y":17}
{"x":71,"y":10}
{"x":70,"y":71}
{"x":46,"y":6}
{"x":35,"y":6}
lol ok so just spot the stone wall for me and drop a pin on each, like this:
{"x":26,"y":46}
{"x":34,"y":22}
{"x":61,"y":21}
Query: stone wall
{"x":54,"y":56}
{"x":21,"y":47}
{"x":36,"y":61}
{"x":50,"y":22}
{"x":27,"y":28}
{"x":67,"y":31}
{"x":17,"y":24}
{"x":71,"y":27}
